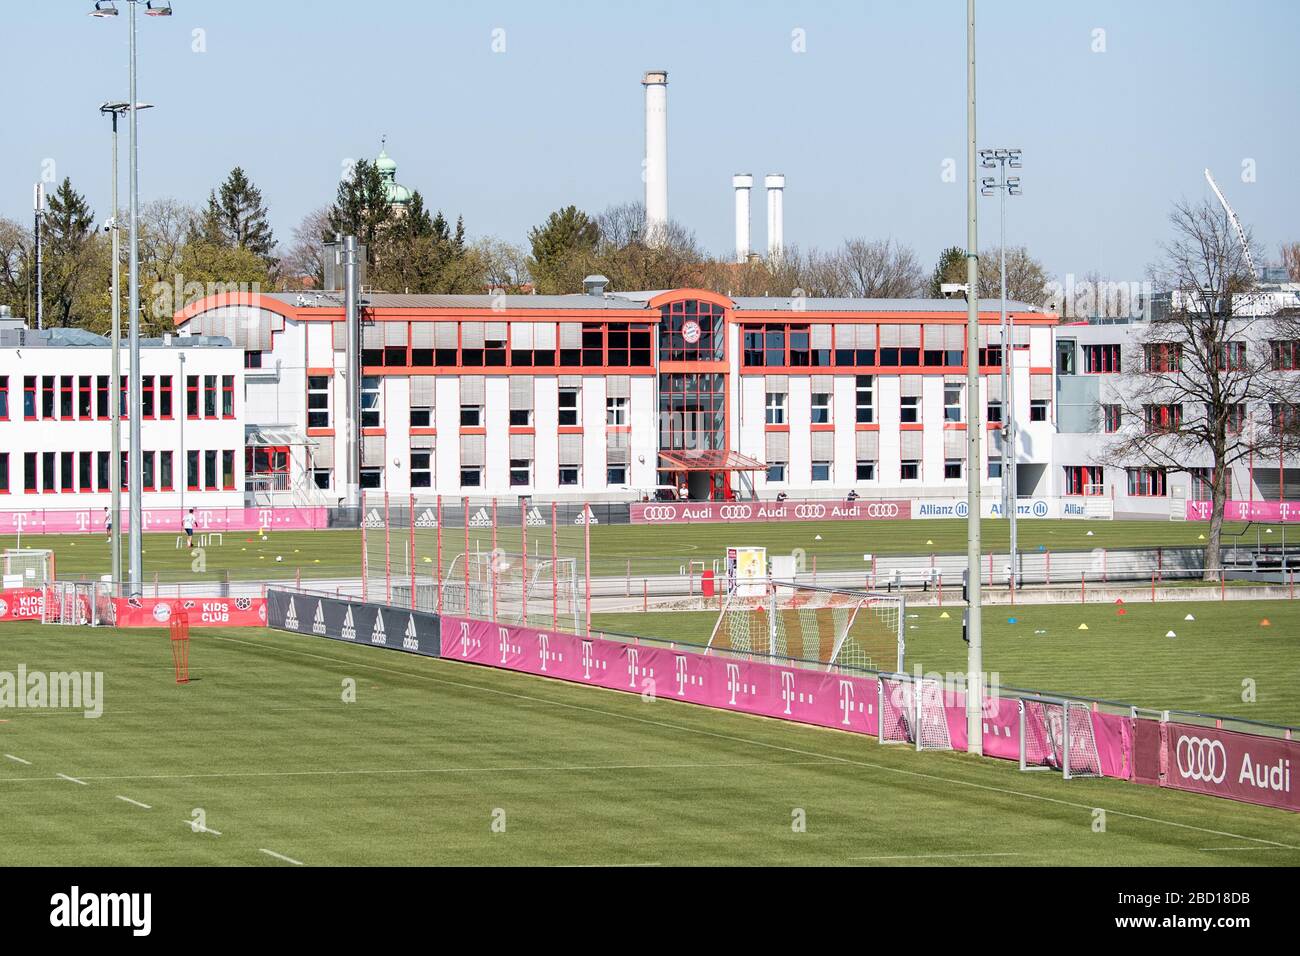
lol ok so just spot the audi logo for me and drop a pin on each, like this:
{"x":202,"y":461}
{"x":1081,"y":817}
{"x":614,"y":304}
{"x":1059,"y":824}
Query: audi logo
{"x":882,"y":509}
{"x":659,"y":513}
{"x":734,"y":512}
{"x":810,"y":511}
{"x":1201,"y":759}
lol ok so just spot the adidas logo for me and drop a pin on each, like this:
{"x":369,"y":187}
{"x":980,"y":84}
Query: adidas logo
{"x":535,"y":519}
{"x":428,"y":518}
{"x":318,"y":622}
{"x":374,"y":519}
{"x":586,"y":518}
{"x":411,"y":642}
{"x":377,"y":635}
{"x":291,"y":618}
{"x":481,"y":519}
{"x":349,"y":628}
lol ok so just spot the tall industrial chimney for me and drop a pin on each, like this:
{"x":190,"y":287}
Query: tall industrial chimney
{"x":743,"y":182}
{"x":775,"y":183}
{"x":656,"y":153}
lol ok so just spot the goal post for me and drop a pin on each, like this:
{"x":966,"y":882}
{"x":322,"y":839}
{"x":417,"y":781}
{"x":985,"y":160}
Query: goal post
{"x":34,"y":566}
{"x":1056,"y":734}
{"x":820,"y":626}
{"x":504,"y":587}
{"x":910,"y":710}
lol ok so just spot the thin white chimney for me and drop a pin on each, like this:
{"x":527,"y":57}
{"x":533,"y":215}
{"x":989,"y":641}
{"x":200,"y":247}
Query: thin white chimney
{"x":656,"y":152}
{"x":775,"y":183}
{"x":743,"y":183}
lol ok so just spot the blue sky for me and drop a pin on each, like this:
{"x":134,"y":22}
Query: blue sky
{"x":860,"y":123}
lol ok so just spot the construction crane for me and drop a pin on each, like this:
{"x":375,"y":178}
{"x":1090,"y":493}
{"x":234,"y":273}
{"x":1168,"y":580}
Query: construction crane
{"x":1236,"y":224}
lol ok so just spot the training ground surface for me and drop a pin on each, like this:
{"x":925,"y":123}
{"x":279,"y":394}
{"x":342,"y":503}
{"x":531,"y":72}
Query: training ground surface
{"x":417,"y":769}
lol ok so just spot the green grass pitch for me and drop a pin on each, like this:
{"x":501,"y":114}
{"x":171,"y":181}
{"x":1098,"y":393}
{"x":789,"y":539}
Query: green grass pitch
{"x":432,"y":753}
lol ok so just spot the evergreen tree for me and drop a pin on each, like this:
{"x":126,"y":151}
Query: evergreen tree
{"x":951,"y":268}
{"x":68,"y":254}
{"x":361,"y":209}
{"x":568,"y":236}
{"x":235,"y":217}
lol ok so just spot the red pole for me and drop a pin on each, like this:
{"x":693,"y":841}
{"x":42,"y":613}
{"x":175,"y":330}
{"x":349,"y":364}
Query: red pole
{"x":555,"y":560}
{"x":814,"y":570}
{"x":940,"y":589}
{"x":990,"y":569}
{"x":1153,"y":589}
{"x":1083,"y":587}
{"x":1103,"y":565}
{"x":1048,"y":573}
{"x":437,"y":579}
{"x":1222,"y":586}
{"x":523,"y":544}
{"x":645,"y":595}
{"x":492,"y":565}
{"x":627,"y":579}
{"x":586,"y":547}
{"x":1293,"y":584}
{"x":410,"y":520}
{"x":1160,"y":563}
{"x":388,"y":555}
{"x":365,"y":556}
{"x":465,"y":501}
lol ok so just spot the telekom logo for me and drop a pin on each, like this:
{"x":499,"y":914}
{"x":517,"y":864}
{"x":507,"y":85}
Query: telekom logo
{"x":787,"y":689}
{"x":680,"y":666}
{"x":83,"y":520}
{"x":733,"y":681}
{"x":464,"y":638}
{"x":503,"y":642}
{"x":264,"y":517}
{"x":543,"y":649}
{"x":632,"y":656}
{"x":20,"y":521}
{"x":846,"y":700}
{"x":588,"y":658}
{"x":205,"y":519}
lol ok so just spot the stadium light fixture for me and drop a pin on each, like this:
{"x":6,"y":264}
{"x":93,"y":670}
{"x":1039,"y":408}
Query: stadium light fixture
{"x":162,"y":10}
{"x":104,"y":8}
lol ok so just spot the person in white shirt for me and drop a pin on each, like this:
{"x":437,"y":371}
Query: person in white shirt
{"x":188,"y":524}
{"x":108,"y":526}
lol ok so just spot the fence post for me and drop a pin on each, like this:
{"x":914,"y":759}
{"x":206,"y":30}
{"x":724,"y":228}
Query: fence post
{"x":1153,"y":589}
{"x":1083,"y":587}
{"x":1160,"y":563}
{"x":555,"y":581}
{"x":1047,"y":573}
{"x":1223,"y":586}
{"x":365,"y":554}
{"x":492,"y":562}
{"x":437,"y":572}
{"x":586,"y":548}
{"x":941,"y":589}
{"x":645,"y":595}
{"x":388,"y":554}
{"x":410,"y":521}
{"x":465,"y":556}
{"x":523,"y":540}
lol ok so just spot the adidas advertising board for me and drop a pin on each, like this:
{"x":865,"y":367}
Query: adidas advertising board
{"x":377,"y":625}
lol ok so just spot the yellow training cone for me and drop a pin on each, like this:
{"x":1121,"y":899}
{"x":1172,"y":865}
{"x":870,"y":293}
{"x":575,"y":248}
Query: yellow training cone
{"x":944,"y":616}
{"x":1083,"y":627}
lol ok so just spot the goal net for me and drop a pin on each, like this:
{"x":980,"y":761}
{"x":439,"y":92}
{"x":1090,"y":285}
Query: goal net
{"x":35,"y":566}
{"x":911,"y":711}
{"x":1056,"y":734}
{"x":501,"y":586}
{"x":77,"y":603}
{"x":811,"y":625}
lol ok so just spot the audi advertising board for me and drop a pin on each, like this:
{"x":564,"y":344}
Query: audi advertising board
{"x":354,"y":621}
{"x":1223,"y":763}
{"x":739,"y":512}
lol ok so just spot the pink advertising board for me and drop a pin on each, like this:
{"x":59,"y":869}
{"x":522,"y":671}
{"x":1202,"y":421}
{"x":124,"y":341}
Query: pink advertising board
{"x":837,"y":701}
{"x":1276,"y":512}
{"x":1223,"y":763}
{"x":715,"y":512}
{"x":91,"y":520}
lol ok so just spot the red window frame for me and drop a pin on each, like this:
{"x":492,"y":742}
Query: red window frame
{"x":149,"y":463}
{"x":1163,"y":418}
{"x":4,"y":472}
{"x":1146,"y":482}
{"x":192,"y":398}
{"x":1103,"y":359}
{"x":211,"y":480}
{"x":86,"y":471}
{"x":85,"y":397}
{"x":228,"y":469}
{"x":1164,"y":356}
{"x":227,"y":396}
{"x":148,"y":397}
{"x":1085,"y":481}
{"x":29,"y":398}
{"x":193,"y":456}
{"x":1232,"y":356}
{"x":1286,"y":354}
{"x":1112,"y":416}
{"x":166,"y":476}
{"x":124,"y":396}
{"x":67,"y":398}
{"x":101,"y":398}
{"x":166,"y":409}
{"x":67,"y":471}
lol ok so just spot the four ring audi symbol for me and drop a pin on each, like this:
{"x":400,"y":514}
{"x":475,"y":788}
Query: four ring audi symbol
{"x":1201,"y":759}
{"x":735,"y":512}
{"x":882,"y":509}
{"x":810,"y":511}
{"x":659,"y":513}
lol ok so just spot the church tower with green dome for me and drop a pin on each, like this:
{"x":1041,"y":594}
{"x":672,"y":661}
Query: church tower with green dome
{"x":399,"y":197}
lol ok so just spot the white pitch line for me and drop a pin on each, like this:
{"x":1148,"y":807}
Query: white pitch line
{"x":190,"y":824}
{"x":932,"y":856}
{"x":73,"y":779}
{"x":580,"y":708}
{"x":143,"y":806}
{"x":281,"y":856}
{"x":1227,"y":849}
{"x":18,"y":759}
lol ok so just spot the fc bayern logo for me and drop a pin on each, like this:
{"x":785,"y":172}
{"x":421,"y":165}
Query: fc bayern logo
{"x":162,"y":612}
{"x":691,"y":331}
{"x":4,"y":608}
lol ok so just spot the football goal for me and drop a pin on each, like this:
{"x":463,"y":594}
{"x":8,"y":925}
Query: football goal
{"x":1056,"y":734}
{"x":500,"y":586}
{"x":910,"y":710}
{"x":813,"y":626}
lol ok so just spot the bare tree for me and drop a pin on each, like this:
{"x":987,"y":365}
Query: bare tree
{"x":1197,"y":369}
{"x":1291,"y":260}
{"x":868,"y":269}
{"x":1026,"y":277}
{"x":302,"y":262}
{"x":504,"y":266}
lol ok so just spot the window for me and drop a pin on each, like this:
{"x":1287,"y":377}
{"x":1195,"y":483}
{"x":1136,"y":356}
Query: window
{"x":370,"y":402}
{"x":1236,"y":418}
{"x":101,"y":396}
{"x":569,"y":474}
{"x":993,"y":412}
{"x":148,"y":407}
{"x":909,"y":469}
{"x":866,"y":471}
{"x":865,"y":410}
{"x":1163,"y":356}
{"x":991,"y":355}
{"x":471,"y":476}
{"x":227,"y":396}
{"x":521,"y":472}
{"x":421,"y":468}
{"x":1111,"y":418}
{"x":320,"y":477}
{"x":373,"y":477}
{"x":86,"y":471}
{"x":126,"y":470}
{"x":995,"y":467}
{"x":951,"y":468}
{"x":192,"y":470}
{"x":209,"y":396}
{"x":1162,"y":418}
{"x":191,"y":396}
{"x":318,"y":402}
{"x":47,"y":397}
{"x":1065,"y":357}
{"x":775,"y":414}
{"x":568,"y":404}
{"x":909,"y":409}
{"x":690,"y":330}
{"x":253,"y":358}
{"x":124,"y":397}
{"x":4,"y":397}
{"x":165,"y":471}
{"x":1038,"y":410}
{"x":471,"y":416}
{"x":85,"y":398}
{"x":1146,"y":482}
{"x":49,"y":481}
{"x":4,"y":472}
{"x":1284,"y":416}
{"x":1101,"y":359}
{"x":102,"y":461}
{"x":29,"y":470}
{"x":1232,"y":356}
{"x":951,"y":403}
{"x":616,"y":411}
{"x":616,"y":475}
{"x":1087,"y":480}
{"x":29,"y":398}
{"x":210,"y":470}
{"x":1202,"y":483}
{"x":148,"y":462}
{"x":776,"y":471}
{"x":67,"y":469}
{"x":821,"y":408}
{"x":66,"y":398}
{"x":228,"y":470}
{"x":520,"y":417}
{"x":821,"y":471}
{"x":165,"y":397}
{"x":1285,"y":355}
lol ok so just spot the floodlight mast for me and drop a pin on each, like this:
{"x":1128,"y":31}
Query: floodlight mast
{"x":974,"y":631}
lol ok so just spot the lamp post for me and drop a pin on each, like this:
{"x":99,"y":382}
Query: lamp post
{"x":113,"y":111}
{"x":1005,"y":186}
{"x":135,"y":479}
{"x":974,"y":629}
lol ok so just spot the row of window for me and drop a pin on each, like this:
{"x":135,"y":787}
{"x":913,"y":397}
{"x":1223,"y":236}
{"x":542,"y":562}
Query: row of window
{"x":579,"y":345}
{"x":791,"y":346}
{"x":1143,"y":482}
{"x":86,"y":397}
{"x":53,"y":472}
{"x":1159,"y":418}
{"x":568,"y":408}
{"x":909,"y":469}
{"x":909,"y":406}
{"x":474,"y":476}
